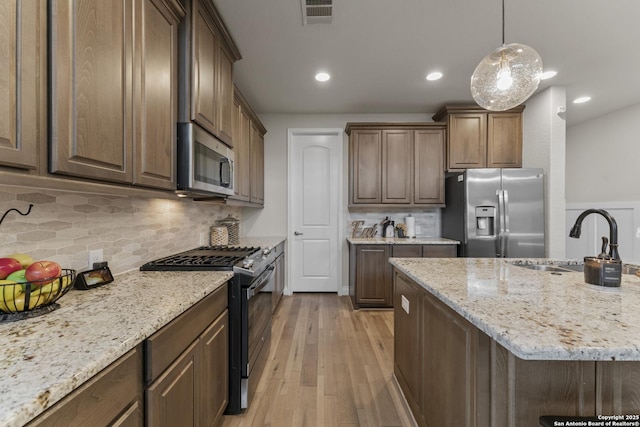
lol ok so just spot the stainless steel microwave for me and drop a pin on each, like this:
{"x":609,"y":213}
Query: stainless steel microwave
{"x":205,"y":164}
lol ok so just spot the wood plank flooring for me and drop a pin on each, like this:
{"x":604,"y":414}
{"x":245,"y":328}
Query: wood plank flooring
{"x":329,"y":366}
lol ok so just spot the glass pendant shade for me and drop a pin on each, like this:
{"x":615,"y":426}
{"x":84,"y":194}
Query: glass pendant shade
{"x":506,"y":77}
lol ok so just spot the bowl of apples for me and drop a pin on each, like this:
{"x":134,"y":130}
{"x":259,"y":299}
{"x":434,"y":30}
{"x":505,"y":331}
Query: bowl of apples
{"x":30,"y":288}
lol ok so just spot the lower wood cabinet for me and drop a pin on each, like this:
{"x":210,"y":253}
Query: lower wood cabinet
{"x":370,"y":274}
{"x":187,"y":366}
{"x":112,"y":398}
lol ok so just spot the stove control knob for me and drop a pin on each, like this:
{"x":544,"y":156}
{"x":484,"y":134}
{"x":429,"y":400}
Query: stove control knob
{"x":266,"y":251}
{"x":247,"y":263}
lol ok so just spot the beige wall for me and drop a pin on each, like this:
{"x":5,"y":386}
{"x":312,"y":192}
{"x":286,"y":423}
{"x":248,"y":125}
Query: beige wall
{"x":603,"y":158}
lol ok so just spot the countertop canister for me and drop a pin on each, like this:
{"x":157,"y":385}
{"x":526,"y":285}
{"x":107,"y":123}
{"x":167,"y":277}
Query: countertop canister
{"x":233,"y":229}
{"x":219,"y":236}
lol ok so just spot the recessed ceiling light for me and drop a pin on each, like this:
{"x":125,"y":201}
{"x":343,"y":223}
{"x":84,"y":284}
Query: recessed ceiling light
{"x":436,"y":75}
{"x":322,"y":77}
{"x":582,"y":100}
{"x":548,"y":74}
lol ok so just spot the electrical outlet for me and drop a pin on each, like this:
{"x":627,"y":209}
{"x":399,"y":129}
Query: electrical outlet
{"x":95,"y":256}
{"x":405,"y":304}
{"x":203,"y":239}
{"x":418,"y":229}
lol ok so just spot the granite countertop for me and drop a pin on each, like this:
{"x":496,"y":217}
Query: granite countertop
{"x":401,"y":241}
{"x":43,"y":359}
{"x":536,"y":315}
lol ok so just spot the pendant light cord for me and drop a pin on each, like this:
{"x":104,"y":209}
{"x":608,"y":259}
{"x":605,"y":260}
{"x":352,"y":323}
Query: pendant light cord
{"x":502,"y":22}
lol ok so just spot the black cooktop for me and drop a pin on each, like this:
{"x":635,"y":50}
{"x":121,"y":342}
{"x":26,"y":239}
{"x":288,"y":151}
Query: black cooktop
{"x":202,"y":258}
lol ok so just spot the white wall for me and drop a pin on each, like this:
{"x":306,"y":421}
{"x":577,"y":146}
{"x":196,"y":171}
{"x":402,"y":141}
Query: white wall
{"x":603,"y":172}
{"x":544,"y":141}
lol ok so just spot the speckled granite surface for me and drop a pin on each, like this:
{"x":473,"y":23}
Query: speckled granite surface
{"x":399,"y":241}
{"x":536,"y":314}
{"x":44,"y":358}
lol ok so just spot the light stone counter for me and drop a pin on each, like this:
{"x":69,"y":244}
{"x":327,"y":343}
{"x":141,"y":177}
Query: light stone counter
{"x":401,"y":241}
{"x":536,"y":315}
{"x":45,"y":358}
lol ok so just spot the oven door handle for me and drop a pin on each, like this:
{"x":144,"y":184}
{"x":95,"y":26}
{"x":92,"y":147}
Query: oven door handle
{"x":261,"y":282}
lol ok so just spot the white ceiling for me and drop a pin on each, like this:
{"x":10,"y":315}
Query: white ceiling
{"x":379,"y":51}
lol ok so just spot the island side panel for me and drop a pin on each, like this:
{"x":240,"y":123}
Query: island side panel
{"x":618,"y":388}
{"x":524,"y":390}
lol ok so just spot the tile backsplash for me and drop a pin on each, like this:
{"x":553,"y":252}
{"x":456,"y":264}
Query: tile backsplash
{"x":65,"y":226}
{"x":427,"y":221}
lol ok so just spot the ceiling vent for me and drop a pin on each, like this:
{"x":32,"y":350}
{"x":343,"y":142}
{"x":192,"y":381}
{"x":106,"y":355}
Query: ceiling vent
{"x":317,"y":11}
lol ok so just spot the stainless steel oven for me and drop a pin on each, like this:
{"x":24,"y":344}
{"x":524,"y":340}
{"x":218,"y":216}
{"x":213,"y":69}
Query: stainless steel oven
{"x":256,"y":302}
{"x":205,"y":164}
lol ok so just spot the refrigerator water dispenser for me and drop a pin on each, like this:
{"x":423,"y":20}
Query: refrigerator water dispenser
{"x":485,"y":220}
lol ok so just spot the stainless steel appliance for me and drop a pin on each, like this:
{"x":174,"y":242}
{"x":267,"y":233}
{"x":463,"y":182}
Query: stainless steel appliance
{"x":495,"y":212}
{"x":205,"y":164}
{"x":249,"y":308}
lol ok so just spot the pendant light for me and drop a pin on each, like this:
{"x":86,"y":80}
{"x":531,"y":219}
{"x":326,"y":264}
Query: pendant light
{"x":506,"y":77}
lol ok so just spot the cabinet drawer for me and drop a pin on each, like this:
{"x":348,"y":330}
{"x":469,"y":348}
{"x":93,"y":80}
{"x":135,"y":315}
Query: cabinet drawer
{"x":102,"y":399}
{"x":165,"y":346}
{"x":440,"y":251}
{"x":406,"y":251}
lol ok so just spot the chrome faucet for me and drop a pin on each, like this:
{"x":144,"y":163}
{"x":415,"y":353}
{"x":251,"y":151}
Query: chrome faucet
{"x":613,"y":230}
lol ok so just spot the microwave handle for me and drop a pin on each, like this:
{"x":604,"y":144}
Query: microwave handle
{"x":225,"y":172}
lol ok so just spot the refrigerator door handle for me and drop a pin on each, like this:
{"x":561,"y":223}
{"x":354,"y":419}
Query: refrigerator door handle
{"x":505,"y":201}
{"x":499,"y":240}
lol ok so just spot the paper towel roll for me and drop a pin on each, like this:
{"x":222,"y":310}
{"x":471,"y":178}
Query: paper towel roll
{"x":410,"y":222}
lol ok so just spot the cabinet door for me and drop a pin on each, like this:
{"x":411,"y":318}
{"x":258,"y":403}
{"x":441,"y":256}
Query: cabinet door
{"x":366,"y":166}
{"x":92,"y":107}
{"x":23,"y":55}
{"x":132,"y":417}
{"x":243,"y":161}
{"x":204,"y":77}
{"x":373,"y":276}
{"x":407,"y":251}
{"x":257,"y":165}
{"x":467,"y":140}
{"x":171,"y":399}
{"x":156,"y":95}
{"x":504,"y":140}
{"x":225,"y":94}
{"x":397,"y":166}
{"x":214,"y":376}
{"x":407,"y":352}
{"x":429,"y":166}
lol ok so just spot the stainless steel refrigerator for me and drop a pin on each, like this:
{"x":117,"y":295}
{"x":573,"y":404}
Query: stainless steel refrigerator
{"x":495,"y":213}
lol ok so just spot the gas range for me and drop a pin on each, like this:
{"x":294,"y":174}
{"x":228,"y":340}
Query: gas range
{"x":247,"y":261}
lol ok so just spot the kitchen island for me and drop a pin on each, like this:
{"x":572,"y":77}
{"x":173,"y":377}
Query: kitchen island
{"x":488,"y":342}
{"x":45,"y":358}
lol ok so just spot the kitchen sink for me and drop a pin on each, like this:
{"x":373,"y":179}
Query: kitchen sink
{"x":566,"y":268}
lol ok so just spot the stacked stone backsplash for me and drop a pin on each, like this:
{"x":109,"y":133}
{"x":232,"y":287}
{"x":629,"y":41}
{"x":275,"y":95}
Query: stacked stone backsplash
{"x":65,"y":226}
{"x":428,"y":221}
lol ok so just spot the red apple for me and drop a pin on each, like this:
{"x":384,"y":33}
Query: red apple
{"x":42,"y":271}
{"x":8,"y":266}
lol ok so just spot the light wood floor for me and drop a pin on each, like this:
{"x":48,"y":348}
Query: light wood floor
{"x":329,"y":366}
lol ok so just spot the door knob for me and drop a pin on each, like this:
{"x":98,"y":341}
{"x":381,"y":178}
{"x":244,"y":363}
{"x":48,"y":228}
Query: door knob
{"x":297,"y":233}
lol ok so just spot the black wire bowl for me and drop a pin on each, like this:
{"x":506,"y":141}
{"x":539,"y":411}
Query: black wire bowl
{"x":30,"y":299}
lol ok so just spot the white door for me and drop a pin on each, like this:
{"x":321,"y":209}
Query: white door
{"x":315,"y":176}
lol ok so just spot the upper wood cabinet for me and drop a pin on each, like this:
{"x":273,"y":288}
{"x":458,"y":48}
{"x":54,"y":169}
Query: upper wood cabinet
{"x":208,"y":70}
{"x":248,"y":139}
{"x":23,"y":62}
{"x":396,"y":164}
{"x":478,"y":138}
{"x":114,"y":90}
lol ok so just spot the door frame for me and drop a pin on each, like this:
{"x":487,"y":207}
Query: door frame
{"x":338,"y":133}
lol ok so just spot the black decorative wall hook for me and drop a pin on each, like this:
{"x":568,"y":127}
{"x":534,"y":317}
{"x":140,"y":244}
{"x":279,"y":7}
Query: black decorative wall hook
{"x":14,"y":209}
